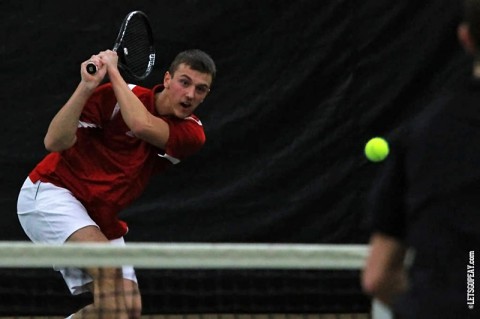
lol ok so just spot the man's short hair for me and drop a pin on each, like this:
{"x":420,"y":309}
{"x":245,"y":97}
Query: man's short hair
{"x":197,"y":60}
{"x":472,"y":19}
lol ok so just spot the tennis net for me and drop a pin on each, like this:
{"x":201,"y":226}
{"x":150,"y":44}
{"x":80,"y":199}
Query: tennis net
{"x":201,"y":280}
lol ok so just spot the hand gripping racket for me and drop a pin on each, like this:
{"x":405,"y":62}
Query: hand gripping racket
{"x":134,"y":47}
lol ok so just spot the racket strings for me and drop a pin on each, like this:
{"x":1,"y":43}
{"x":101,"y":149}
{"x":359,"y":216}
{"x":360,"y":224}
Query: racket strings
{"x":136,"y":48}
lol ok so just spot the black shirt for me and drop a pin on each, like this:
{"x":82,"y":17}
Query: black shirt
{"x":428,"y":196}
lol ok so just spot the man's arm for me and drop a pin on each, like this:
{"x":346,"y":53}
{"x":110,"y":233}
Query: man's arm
{"x":384,"y":275}
{"x":143,"y":124}
{"x":61,"y":133}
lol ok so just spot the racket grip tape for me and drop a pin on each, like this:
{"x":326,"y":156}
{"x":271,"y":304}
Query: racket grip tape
{"x":91,"y":68}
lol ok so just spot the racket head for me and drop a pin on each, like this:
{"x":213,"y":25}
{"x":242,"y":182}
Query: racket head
{"x":135,"y":46}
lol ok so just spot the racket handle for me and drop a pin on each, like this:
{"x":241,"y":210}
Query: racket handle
{"x":91,"y":68}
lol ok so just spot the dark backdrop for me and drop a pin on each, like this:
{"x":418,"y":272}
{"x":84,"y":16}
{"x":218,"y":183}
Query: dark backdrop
{"x":301,"y":86}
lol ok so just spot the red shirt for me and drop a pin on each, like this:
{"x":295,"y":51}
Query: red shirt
{"x":108,"y":167}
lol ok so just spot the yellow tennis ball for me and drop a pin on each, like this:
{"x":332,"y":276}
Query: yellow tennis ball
{"x":376,"y":150}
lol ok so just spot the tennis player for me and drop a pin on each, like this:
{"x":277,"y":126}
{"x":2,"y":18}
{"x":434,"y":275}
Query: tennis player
{"x":105,"y":143}
{"x":426,"y":204}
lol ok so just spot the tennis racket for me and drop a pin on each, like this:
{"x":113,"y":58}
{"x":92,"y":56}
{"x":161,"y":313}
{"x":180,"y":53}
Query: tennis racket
{"x":134,"y":47}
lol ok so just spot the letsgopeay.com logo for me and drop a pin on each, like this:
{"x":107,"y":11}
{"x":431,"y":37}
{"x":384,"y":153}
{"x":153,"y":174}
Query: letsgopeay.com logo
{"x":471,"y":280}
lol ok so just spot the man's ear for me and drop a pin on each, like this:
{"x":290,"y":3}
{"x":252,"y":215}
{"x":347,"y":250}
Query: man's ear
{"x":466,"y":39}
{"x":166,"y":79}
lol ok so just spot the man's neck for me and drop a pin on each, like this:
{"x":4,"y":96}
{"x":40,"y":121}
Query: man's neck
{"x":161,"y":102}
{"x":476,"y":69}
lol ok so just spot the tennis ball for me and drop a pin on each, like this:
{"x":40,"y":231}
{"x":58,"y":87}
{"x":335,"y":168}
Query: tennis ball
{"x":376,"y":150}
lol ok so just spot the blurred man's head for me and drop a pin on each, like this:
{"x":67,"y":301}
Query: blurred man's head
{"x":469,"y":30}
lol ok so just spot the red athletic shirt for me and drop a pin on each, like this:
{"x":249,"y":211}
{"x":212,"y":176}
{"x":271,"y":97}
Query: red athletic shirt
{"x":108,"y":167}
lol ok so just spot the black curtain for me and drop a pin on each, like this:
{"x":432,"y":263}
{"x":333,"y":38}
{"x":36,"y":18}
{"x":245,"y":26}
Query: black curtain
{"x":301,"y":86}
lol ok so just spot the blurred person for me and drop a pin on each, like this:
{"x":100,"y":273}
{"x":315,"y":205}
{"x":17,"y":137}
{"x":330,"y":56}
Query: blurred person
{"x":426,"y":204}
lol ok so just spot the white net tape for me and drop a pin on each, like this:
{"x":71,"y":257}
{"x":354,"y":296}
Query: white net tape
{"x":179,"y":255}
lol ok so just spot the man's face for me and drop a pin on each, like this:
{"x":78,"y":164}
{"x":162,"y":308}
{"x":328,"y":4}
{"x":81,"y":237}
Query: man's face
{"x":187,"y":88}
